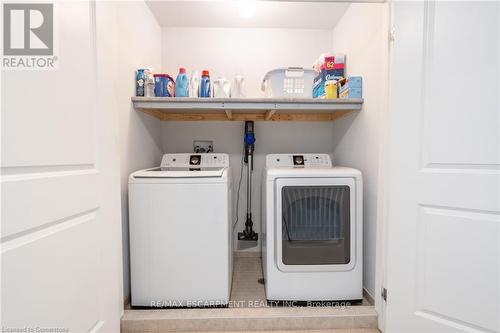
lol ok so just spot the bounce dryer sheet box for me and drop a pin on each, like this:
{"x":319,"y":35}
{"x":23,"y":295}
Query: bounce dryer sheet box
{"x":352,"y":87}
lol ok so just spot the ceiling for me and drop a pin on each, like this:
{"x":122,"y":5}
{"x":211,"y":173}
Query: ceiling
{"x":268,"y":14}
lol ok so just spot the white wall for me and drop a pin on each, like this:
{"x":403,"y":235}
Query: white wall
{"x":272,"y":137}
{"x":249,"y":51}
{"x":363,"y":35}
{"x":134,"y":42}
{"x":252,"y":52}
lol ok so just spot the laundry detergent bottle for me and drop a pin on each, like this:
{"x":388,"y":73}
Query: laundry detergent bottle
{"x":205,"y":89}
{"x":182,"y":84}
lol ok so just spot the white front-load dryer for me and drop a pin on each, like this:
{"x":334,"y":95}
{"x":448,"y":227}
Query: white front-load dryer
{"x":312,"y":229}
{"x":180,"y":232}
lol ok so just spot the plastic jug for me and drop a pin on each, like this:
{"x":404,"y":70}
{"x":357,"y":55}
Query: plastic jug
{"x":149,"y":83}
{"x":164,"y":85}
{"x":205,"y":89}
{"x":194,"y":85}
{"x":182,"y":84}
{"x":222,"y":88}
{"x":238,"y":89}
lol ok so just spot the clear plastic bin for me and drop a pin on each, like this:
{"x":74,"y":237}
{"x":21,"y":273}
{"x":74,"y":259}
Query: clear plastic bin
{"x":291,"y":82}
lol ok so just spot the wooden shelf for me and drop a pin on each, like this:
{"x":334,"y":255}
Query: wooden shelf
{"x":273,"y":109}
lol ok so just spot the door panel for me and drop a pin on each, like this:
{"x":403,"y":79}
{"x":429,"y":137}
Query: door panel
{"x":460,"y":72}
{"x":60,"y":242}
{"x":444,"y":215}
{"x":455,"y":251}
{"x":71,"y":192}
{"x":51,"y":276}
{"x":64,"y":99}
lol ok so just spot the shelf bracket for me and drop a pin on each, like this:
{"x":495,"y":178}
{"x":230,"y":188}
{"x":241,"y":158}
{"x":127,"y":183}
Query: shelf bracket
{"x":229,"y":114}
{"x":269,"y":114}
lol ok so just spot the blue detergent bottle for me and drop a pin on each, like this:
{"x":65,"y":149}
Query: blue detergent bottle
{"x":182,"y":84}
{"x":205,"y":89}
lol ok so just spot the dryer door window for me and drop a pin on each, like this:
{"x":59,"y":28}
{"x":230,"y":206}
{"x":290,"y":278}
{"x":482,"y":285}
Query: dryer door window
{"x":316,"y":225}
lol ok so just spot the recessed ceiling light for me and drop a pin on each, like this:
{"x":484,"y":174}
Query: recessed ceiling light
{"x":246,"y":8}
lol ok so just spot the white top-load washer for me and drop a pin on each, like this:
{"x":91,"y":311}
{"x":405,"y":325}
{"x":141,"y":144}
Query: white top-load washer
{"x":180,"y":232}
{"x":312,"y":229}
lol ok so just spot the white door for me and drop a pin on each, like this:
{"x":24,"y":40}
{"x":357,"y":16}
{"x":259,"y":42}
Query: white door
{"x":61,"y":234}
{"x":444,"y":214}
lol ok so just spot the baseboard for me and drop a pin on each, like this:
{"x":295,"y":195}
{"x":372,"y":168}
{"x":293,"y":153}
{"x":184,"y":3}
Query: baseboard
{"x":368,"y":296}
{"x":126,"y":302}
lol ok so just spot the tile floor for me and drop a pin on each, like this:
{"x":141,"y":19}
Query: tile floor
{"x":249,"y":313}
{"x":352,"y":330}
{"x":247,"y":291}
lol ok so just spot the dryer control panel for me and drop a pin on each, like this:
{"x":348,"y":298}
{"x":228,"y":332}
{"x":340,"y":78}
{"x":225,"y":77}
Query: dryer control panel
{"x":195,"y":160}
{"x":298,"y":161}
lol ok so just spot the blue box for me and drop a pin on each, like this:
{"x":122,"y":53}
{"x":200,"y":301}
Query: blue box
{"x":355,"y":93}
{"x":355,"y":82}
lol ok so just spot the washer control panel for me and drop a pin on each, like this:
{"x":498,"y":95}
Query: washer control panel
{"x":298,"y":161}
{"x":195,"y":160}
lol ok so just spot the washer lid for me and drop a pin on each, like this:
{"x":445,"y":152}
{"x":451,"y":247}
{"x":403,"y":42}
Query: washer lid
{"x":180,"y":172}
